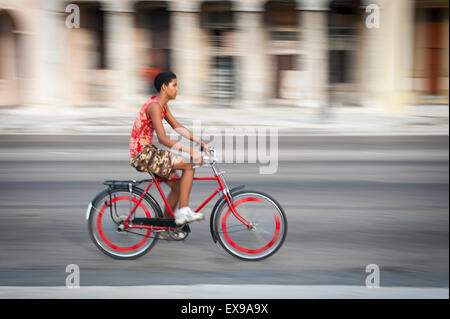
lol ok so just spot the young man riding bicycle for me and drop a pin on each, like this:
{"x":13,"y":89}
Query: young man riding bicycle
{"x":145,"y":156}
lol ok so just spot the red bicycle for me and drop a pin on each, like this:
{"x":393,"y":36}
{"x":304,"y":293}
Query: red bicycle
{"x":124,"y":220}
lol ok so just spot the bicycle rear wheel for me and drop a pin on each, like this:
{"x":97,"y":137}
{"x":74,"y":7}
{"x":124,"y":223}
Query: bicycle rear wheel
{"x":107,"y":214}
{"x":268,"y":226}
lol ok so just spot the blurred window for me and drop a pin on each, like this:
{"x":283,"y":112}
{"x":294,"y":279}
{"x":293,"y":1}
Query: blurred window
{"x":283,"y":35}
{"x":280,"y":14}
{"x":222,"y":80}
{"x":217,"y":15}
{"x":218,"y":20}
{"x":280,"y":17}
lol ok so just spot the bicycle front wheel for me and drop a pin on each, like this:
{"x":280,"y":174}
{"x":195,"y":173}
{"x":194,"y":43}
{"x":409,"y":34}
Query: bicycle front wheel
{"x":267,"y":231}
{"x":109,"y":211}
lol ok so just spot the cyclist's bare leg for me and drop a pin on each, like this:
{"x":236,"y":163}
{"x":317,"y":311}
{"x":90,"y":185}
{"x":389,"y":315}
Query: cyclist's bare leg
{"x":174,"y":195}
{"x":186,"y":181}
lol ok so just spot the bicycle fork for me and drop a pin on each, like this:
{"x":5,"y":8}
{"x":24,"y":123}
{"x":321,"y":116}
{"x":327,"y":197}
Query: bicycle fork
{"x":229,"y":198}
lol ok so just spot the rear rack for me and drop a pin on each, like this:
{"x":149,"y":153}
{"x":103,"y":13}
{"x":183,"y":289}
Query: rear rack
{"x":126,"y":182}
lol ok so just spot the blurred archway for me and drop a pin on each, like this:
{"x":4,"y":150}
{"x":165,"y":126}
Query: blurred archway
{"x":153,"y":24}
{"x":431,"y":49}
{"x":9,"y":60}
{"x":281,"y":23}
{"x":344,"y":23}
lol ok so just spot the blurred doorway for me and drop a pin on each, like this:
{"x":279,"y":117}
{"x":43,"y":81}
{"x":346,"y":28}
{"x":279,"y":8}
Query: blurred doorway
{"x":280,"y":20}
{"x":153,"y":35}
{"x":344,"y":19}
{"x":283,"y":63}
{"x":431,"y":50}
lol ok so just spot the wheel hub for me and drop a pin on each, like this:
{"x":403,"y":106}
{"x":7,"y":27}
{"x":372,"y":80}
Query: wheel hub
{"x":120,"y":226}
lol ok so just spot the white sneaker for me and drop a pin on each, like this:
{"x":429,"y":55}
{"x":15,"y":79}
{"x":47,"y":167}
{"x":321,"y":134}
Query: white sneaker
{"x":186,"y":215}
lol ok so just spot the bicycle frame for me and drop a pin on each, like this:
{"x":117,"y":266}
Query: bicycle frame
{"x":156,"y":180}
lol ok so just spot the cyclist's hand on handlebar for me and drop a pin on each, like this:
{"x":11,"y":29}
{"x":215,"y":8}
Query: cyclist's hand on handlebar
{"x":197,"y":157}
{"x":205,"y":148}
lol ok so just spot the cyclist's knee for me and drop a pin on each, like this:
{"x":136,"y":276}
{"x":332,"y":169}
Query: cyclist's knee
{"x":184,"y":166}
{"x":191,"y":166}
{"x":188,"y":166}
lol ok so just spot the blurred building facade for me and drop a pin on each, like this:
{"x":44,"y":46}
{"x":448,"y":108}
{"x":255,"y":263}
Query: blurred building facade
{"x":311,"y":53}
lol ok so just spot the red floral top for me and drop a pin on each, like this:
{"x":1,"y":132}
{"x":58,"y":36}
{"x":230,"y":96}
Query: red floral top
{"x":142,"y":133}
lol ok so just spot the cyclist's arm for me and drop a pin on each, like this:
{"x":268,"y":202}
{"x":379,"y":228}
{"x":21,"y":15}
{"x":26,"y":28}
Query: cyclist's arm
{"x":154,"y":113}
{"x":180,"y":129}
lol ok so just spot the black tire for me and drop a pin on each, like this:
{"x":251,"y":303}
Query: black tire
{"x":273,"y":228}
{"x":99,"y":209}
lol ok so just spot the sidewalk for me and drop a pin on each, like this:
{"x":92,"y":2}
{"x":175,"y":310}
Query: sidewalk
{"x":224,"y":292}
{"x":424,"y":119}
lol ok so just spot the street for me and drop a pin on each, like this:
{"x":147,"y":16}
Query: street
{"x":351,"y":201}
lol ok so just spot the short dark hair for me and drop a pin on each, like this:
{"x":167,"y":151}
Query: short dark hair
{"x":163,"y":78}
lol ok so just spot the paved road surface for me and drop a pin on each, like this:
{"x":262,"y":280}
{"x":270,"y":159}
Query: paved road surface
{"x":350,"y":202}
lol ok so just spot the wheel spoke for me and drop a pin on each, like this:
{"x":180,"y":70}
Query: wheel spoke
{"x":260,"y":239}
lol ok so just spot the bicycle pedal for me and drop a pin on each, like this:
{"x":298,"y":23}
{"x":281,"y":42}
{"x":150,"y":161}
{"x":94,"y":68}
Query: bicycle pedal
{"x":163,"y":235}
{"x":178,"y":236}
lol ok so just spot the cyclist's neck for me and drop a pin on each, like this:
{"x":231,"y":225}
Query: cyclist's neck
{"x":162,"y":100}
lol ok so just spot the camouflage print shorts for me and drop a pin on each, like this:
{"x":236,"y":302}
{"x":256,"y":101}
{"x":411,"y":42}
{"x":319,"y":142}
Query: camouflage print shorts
{"x":154,"y":160}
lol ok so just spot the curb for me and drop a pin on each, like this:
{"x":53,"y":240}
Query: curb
{"x":224,"y":292}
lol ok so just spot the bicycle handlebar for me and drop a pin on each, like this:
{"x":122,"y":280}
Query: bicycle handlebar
{"x":211,"y":159}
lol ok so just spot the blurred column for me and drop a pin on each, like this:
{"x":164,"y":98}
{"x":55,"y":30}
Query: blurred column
{"x":254,"y":84}
{"x":9,"y":85}
{"x":397,"y":23}
{"x":314,"y":45}
{"x":370,"y":72}
{"x":186,"y":49}
{"x":50,"y":41}
{"x":121,"y":60}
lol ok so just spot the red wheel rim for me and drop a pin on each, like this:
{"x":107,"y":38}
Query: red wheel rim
{"x":245,"y":250}
{"x":102,"y":235}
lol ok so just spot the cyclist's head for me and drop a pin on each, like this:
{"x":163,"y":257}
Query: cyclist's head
{"x":164,"y":78}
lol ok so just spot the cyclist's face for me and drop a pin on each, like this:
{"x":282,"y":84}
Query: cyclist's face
{"x":172,"y":89}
